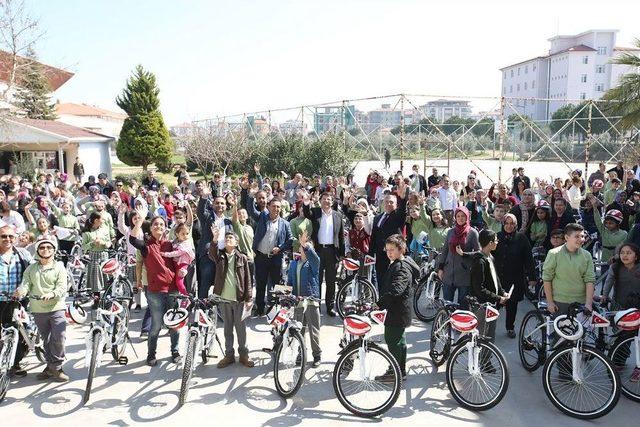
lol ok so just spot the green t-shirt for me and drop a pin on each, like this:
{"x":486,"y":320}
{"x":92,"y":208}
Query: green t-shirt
{"x":38,"y":280}
{"x":229,"y":290}
{"x":568,"y":273}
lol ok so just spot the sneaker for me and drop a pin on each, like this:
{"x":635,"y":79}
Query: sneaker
{"x":387,"y":377}
{"x":226,"y":361}
{"x":316,"y":362}
{"x":17,"y":371}
{"x":331,"y":313}
{"x":635,"y":376}
{"x":59,"y":376}
{"x":44,"y":375}
{"x":152,"y":361}
{"x":511,"y":333}
{"x":244,"y":360}
{"x":176,"y":358}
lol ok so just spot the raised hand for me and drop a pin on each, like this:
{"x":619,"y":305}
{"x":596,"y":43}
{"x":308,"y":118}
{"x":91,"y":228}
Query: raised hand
{"x":256,"y":168}
{"x":215,"y":232}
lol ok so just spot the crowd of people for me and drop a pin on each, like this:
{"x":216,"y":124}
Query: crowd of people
{"x":232,"y":236}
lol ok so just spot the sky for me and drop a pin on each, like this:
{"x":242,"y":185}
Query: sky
{"x":224,"y":57}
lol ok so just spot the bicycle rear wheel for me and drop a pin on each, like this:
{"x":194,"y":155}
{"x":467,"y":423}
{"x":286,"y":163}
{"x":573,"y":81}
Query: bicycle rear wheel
{"x":187,"y":370}
{"x":5,"y":364}
{"x":95,"y":353}
{"x":426,"y":298}
{"x":347,"y":294}
{"x":592,"y":394}
{"x":483,"y":389}
{"x":289,"y":364}
{"x":624,"y":354}
{"x":440,"y":338}
{"x":532,"y":345}
{"x":367,"y":380}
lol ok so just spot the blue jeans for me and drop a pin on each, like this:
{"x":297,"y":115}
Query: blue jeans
{"x":207,"y":275}
{"x":448,"y":291}
{"x":159,"y":303}
{"x":146,"y":319}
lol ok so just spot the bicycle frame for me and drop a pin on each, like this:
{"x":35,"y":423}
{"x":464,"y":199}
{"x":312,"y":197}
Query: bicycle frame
{"x":103,"y":324}
{"x":473,"y":362}
{"x":378,"y":317}
{"x":6,"y":333}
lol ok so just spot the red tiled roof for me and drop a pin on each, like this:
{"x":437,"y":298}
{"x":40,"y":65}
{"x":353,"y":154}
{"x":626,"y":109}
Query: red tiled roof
{"x":56,"y":76}
{"x":86,"y":110}
{"x":58,"y":128}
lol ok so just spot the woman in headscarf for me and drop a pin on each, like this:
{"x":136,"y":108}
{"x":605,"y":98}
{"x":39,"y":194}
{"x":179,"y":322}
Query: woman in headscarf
{"x":514,"y":266}
{"x":454,"y":271}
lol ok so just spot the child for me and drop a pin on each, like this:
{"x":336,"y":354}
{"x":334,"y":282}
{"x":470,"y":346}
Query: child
{"x":610,"y":194}
{"x":494,"y":223}
{"x":556,"y":238}
{"x":185,"y":254}
{"x":303,"y":277}
{"x":539,"y":227}
{"x":609,"y":230}
{"x":433,"y":201}
{"x":233,"y":284}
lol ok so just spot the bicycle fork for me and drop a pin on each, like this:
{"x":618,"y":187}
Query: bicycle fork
{"x":101,"y":340}
{"x":473,"y":362}
{"x":362,"y":357}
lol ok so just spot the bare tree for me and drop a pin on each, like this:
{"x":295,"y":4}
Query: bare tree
{"x":18,"y":34}
{"x":212,"y":151}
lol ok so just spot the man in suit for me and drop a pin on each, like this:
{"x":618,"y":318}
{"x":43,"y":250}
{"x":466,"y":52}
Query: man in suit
{"x":434,"y":179}
{"x":388,"y":223}
{"x":418,"y":183}
{"x":208,"y":216}
{"x":328,"y":238}
{"x":272,"y":238}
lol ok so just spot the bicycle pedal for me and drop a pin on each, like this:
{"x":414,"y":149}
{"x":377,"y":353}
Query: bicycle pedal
{"x":123,"y":360}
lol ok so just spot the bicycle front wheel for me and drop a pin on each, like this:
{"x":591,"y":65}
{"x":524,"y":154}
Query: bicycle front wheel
{"x":426,"y":298}
{"x":187,"y":370}
{"x":95,"y":353}
{"x":586,"y":391}
{"x":367,"y":380}
{"x":440,"y":338}
{"x":365,"y":292}
{"x":289,"y":364}
{"x":624,"y":354}
{"x":532,"y":345}
{"x":481,"y":388}
{"x":5,"y":365}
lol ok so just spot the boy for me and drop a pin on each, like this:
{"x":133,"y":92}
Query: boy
{"x":303,"y":277}
{"x":233,"y":284}
{"x":610,"y":194}
{"x":495,"y":223}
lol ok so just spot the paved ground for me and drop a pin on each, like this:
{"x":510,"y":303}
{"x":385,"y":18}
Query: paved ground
{"x":136,"y":394}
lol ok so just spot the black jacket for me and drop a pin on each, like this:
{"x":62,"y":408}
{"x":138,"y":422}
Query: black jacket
{"x":315,"y":215}
{"x":396,"y":297}
{"x":482,"y":284}
{"x":394,"y":224}
{"x":517,"y":211}
{"x":514,"y":263}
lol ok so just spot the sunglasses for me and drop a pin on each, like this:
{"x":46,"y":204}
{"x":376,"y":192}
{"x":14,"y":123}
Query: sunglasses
{"x":8,"y":236}
{"x":43,"y":248}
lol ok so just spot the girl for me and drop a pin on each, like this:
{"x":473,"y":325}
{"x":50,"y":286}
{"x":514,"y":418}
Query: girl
{"x":610,"y":231}
{"x":185,"y":254}
{"x":538,"y":229}
{"x":95,"y":241}
{"x":623,"y":278}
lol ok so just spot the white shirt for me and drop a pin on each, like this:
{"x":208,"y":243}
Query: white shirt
{"x":14,"y":219}
{"x":219,"y":223}
{"x":574,"y":197}
{"x":325,"y":233}
{"x":448,"y":199}
{"x":494,"y":276}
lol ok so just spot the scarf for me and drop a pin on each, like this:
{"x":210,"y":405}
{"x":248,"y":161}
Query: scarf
{"x":460,"y":232}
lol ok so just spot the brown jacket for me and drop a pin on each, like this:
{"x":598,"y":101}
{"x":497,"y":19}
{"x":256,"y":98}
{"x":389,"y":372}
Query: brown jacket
{"x":243,"y":274}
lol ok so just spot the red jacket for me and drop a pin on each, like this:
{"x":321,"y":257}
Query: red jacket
{"x":160,"y":270}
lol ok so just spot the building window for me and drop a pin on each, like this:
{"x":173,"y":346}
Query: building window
{"x":511,"y":89}
{"x":518,"y":70}
{"x":511,"y":73}
{"x":600,"y":69}
{"x":526,"y":69}
{"x":533,"y":68}
{"x":585,"y":59}
{"x":602,"y":50}
{"x":525,"y":85}
{"x":583,"y":78}
{"x":518,"y":87}
{"x":583,"y":95}
{"x":533,"y":84}
{"x":600,"y":87}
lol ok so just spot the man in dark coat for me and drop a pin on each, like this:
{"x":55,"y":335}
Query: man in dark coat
{"x":514,"y":266}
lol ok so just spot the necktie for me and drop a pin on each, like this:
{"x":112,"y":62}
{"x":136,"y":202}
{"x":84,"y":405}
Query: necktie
{"x":383,"y":219}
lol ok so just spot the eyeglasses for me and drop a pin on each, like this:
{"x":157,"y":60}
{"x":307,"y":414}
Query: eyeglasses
{"x":45,"y":248}
{"x":8,"y":236}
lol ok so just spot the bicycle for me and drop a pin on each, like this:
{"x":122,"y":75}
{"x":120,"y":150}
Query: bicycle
{"x":202,"y":332}
{"x":427,"y":297}
{"x":109,"y":332}
{"x":354,"y":287}
{"x":117,"y":282}
{"x":22,"y":325}
{"x":290,"y":355}
{"x":366,"y":377}
{"x":578,"y":379}
{"x":477,"y":374}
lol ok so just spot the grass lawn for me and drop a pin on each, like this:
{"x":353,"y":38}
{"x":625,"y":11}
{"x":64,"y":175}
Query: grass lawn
{"x":119,"y":168}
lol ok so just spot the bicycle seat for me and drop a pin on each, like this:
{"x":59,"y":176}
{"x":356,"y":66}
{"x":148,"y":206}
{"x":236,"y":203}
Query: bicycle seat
{"x":357,"y":325}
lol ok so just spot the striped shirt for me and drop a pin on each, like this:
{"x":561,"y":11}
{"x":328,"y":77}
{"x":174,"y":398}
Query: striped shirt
{"x":10,"y":273}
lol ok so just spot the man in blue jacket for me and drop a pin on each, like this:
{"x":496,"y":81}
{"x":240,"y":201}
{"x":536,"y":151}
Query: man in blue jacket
{"x":272,"y":238}
{"x":303,"y":277}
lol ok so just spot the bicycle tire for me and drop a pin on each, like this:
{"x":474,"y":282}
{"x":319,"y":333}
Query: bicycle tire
{"x":345,"y":361}
{"x":630,"y":389}
{"x":187,"y":370}
{"x":424,"y":286}
{"x":526,"y":342}
{"x":367,"y":293}
{"x":502,"y":387}
{"x":5,"y":366}
{"x":116,"y":352}
{"x":591,"y":355}
{"x":439,"y":356}
{"x":282,"y":389}
{"x":95,"y":344}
